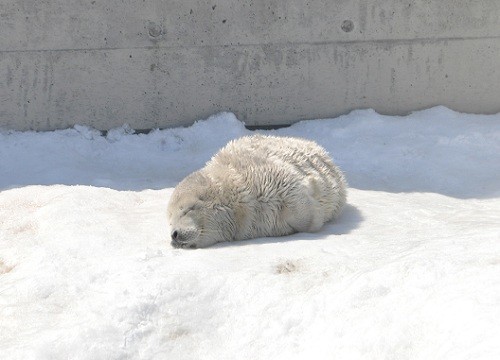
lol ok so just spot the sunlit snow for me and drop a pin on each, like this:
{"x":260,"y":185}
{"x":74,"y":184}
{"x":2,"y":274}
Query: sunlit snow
{"x":411,"y":269}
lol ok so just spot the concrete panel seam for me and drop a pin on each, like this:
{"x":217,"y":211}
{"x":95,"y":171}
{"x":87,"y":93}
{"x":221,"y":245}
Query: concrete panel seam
{"x":296,"y":43}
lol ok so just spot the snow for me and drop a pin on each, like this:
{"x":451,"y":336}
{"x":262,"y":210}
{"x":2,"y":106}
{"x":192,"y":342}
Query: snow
{"x":411,"y":269}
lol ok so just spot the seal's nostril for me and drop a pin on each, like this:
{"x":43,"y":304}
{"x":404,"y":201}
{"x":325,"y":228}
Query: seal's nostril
{"x":174,"y":235}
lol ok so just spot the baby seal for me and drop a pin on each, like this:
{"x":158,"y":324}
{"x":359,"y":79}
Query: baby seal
{"x":257,"y":186}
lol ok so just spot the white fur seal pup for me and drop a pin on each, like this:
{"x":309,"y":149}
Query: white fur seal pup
{"x":257,"y":186}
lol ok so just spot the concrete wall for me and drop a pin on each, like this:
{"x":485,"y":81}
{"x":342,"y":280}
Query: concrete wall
{"x":164,"y":63}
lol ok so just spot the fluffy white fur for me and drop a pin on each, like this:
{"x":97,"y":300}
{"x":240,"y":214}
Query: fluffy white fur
{"x":257,"y":186}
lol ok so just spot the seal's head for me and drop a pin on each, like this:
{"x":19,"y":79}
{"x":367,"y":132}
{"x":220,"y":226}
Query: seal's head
{"x":198,"y":217}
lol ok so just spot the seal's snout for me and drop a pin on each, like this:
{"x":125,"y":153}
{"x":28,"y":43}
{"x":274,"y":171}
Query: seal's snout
{"x":180,"y":239}
{"x":176,"y":239}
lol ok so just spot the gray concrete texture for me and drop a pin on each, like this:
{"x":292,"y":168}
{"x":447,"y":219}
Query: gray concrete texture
{"x":164,"y":63}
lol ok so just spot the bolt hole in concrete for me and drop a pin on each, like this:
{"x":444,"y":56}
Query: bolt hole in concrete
{"x":155,"y":30}
{"x":347,"y":25}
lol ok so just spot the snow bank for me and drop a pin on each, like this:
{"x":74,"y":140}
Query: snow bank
{"x":411,"y":270}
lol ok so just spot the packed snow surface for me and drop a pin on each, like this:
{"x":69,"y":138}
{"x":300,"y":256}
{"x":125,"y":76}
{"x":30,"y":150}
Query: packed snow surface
{"x":411,"y":269}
